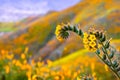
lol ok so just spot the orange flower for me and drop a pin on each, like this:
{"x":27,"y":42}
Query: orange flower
{"x":57,"y":78}
{"x":32,"y":62}
{"x":13,"y":61}
{"x":106,"y":68}
{"x":10,"y":56}
{"x":34,"y":77}
{"x":26,"y":50}
{"x":7,"y":69}
{"x":28,"y":74}
{"x":23,"y":56}
{"x":25,"y":62}
{"x":18,"y":63}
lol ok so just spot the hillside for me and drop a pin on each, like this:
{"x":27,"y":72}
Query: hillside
{"x":7,"y":26}
{"x":39,"y":34}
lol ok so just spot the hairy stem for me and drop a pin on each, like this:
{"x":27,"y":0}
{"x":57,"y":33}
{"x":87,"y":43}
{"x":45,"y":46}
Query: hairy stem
{"x":111,"y":67}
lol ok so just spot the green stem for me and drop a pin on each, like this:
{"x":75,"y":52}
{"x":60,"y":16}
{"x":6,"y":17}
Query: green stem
{"x":109,"y":67}
{"x":112,"y":68}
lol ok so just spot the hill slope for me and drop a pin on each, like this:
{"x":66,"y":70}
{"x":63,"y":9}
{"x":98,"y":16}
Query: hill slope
{"x":36,"y":35}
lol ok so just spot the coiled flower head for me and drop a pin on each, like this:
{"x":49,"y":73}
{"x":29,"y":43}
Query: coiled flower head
{"x":61,"y":32}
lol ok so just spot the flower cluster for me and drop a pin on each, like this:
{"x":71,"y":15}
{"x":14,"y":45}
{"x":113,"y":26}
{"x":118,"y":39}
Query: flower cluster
{"x":89,"y":41}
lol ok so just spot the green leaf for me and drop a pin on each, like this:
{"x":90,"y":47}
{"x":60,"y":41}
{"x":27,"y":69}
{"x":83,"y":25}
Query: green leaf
{"x":107,"y":44}
{"x":118,"y":69}
{"x":64,"y":35}
{"x":75,"y":29}
{"x":103,"y":38}
{"x":65,"y":27}
{"x":69,"y":27}
{"x":104,"y":57}
{"x":97,"y":34}
{"x":111,"y":55}
{"x":100,"y":35}
{"x":108,"y":63}
{"x":98,"y":51}
{"x":80,"y":33}
{"x":103,"y":50}
{"x":114,"y":63}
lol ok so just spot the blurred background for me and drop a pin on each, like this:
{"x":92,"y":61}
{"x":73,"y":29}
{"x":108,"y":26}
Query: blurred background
{"x":29,"y":25}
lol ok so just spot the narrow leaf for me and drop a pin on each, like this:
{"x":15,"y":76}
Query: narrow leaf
{"x":98,"y":51}
{"x":107,"y":44}
{"x":111,"y":55}
{"x":104,"y":57}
